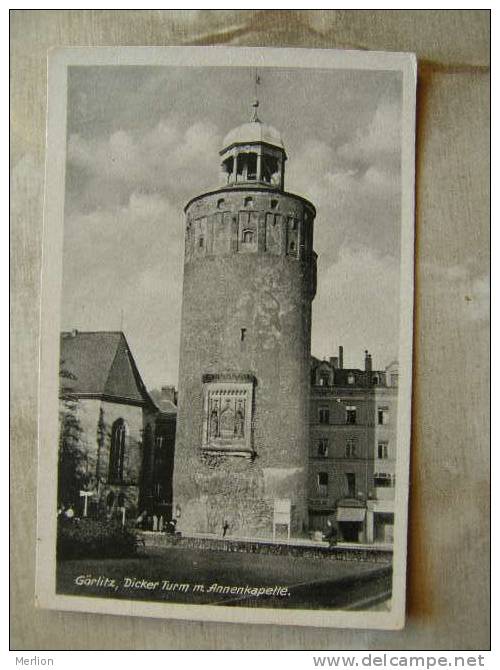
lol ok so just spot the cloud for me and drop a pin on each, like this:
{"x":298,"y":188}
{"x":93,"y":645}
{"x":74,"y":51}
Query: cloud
{"x":355,"y":186}
{"x":167,"y":159}
{"x":357,"y":305}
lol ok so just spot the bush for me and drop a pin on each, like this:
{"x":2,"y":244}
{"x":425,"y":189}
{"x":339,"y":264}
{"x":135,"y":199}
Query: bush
{"x":93,"y":538}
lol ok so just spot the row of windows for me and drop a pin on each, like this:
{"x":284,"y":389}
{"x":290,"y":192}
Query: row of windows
{"x":380,"y":480}
{"x":247,"y":202}
{"x":325,"y":379}
{"x":351,"y":448}
{"x":351,"y":415}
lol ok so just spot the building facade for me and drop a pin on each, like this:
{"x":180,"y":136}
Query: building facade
{"x":352,"y":446}
{"x":249,"y":281}
{"x":107,"y":423}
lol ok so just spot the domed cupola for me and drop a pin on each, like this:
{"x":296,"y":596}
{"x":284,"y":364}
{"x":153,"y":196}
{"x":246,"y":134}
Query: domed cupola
{"x":253,"y":154}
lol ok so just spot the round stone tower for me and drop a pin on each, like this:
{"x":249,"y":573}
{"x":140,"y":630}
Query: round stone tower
{"x":241,"y":454}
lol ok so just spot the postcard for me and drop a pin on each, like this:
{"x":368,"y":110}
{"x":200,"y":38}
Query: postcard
{"x":226,"y":334}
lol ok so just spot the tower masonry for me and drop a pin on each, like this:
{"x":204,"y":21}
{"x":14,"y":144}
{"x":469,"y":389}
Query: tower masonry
{"x":244,"y":376}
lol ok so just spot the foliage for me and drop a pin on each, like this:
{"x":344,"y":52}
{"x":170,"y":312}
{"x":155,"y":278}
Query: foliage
{"x":72,"y":466}
{"x":94,"y":538}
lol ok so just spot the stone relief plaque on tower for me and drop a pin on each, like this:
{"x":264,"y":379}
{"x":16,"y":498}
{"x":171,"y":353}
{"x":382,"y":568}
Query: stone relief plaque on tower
{"x":228,"y":224}
{"x":227,"y":420}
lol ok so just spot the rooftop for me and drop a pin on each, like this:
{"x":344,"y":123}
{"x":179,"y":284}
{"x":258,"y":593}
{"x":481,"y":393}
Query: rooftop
{"x":253,"y":132}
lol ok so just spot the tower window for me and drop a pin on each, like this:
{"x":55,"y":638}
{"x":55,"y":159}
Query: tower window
{"x":243,"y":332}
{"x":201,"y":242}
{"x":248,"y":236}
{"x":249,"y":201}
{"x":274,"y":204}
{"x":220,"y":203}
{"x":270,"y":168}
{"x":228,"y":166}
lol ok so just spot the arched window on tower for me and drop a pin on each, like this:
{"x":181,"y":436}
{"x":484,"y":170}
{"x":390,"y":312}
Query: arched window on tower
{"x":117,"y":450}
{"x":248,"y":237}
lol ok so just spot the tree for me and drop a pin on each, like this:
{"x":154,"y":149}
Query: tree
{"x":72,"y":462}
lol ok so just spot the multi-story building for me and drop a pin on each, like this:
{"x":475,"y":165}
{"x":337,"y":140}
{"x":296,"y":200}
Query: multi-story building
{"x":353,"y":449}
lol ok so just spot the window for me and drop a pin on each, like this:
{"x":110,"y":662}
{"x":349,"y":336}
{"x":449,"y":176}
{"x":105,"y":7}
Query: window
{"x":243,"y":332}
{"x":117,"y":450}
{"x":159,"y":443}
{"x":350,"y":447}
{"x":248,"y":237}
{"x":383,"y":416}
{"x":350,"y":414}
{"x":269,"y":168}
{"x":394,"y":379}
{"x":252,"y":166}
{"x":324,"y":379}
{"x":383,"y":480}
{"x":220,"y":203}
{"x":323,"y":484}
{"x":351,"y":483}
{"x":351,"y":379}
{"x":323,"y":447}
{"x":274,"y":204}
{"x":228,"y":166}
{"x":382,"y":450}
{"x":248,"y":202}
{"x":201,"y":242}
{"x":324,"y":415}
{"x":292,"y":246}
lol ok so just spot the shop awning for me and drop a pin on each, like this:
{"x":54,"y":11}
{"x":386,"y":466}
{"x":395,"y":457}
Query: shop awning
{"x":351,"y":514}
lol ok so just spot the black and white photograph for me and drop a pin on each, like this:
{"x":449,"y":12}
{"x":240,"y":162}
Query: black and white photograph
{"x":226,"y":347}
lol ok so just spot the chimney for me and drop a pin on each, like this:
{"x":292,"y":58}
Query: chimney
{"x":341,"y":358}
{"x":368,"y":362}
{"x":334,"y":362}
{"x":168,"y":393}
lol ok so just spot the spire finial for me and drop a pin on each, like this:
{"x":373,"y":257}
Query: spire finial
{"x":255,"y":104}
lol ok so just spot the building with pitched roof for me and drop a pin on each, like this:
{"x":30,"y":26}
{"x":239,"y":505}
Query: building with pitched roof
{"x":114,"y":423}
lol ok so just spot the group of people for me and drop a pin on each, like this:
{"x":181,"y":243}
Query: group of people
{"x":148,"y":521}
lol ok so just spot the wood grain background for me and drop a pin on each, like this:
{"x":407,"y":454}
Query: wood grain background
{"x":448,"y":574}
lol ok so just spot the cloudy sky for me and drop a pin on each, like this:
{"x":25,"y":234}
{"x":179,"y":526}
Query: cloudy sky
{"x":144,"y":140}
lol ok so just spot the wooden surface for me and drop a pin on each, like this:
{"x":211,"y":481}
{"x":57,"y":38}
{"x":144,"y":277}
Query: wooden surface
{"x":448,"y":580}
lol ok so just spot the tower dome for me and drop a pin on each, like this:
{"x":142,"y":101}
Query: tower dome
{"x":254,"y":132}
{"x":253,"y":154}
